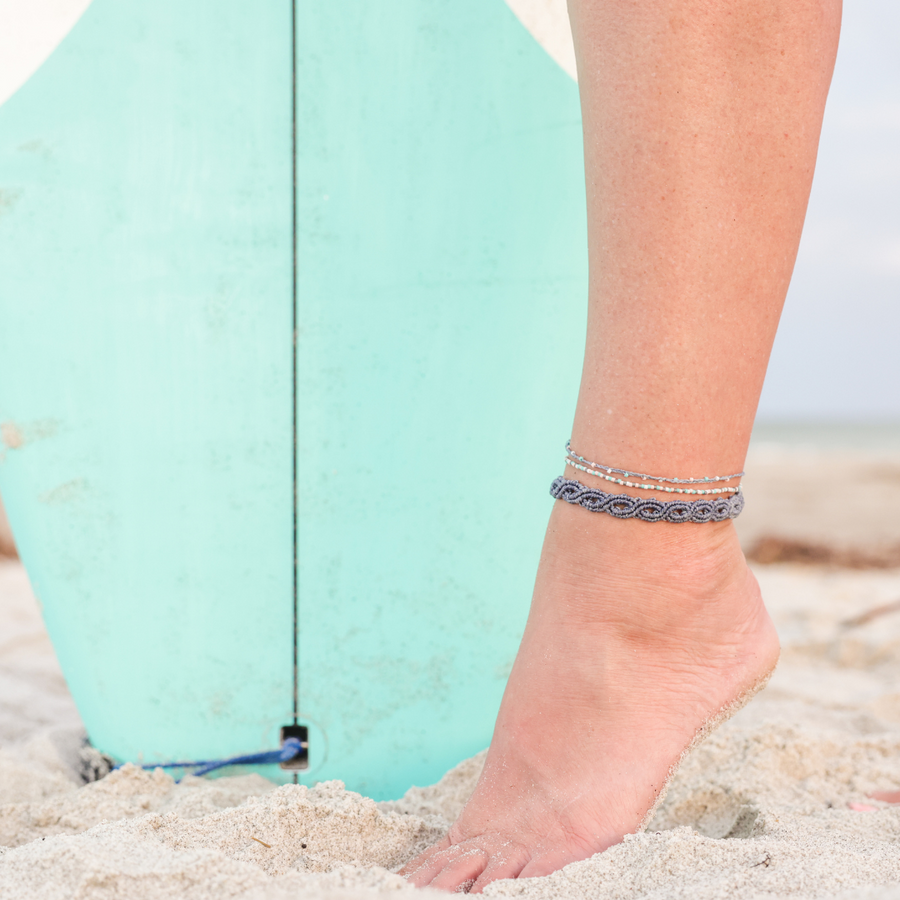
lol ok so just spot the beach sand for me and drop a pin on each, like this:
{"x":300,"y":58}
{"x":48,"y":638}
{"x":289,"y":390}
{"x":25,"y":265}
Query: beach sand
{"x":774,"y":804}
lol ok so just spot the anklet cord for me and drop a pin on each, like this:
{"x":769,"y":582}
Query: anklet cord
{"x":652,"y":487}
{"x":624,"y":506}
{"x":630,"y":474}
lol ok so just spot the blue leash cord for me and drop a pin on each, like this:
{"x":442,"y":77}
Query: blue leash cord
{"x":289,"y":749}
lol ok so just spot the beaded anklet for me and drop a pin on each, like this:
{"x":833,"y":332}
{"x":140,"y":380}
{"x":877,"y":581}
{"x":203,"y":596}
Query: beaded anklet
{"x":610,"y":469}
{"x":653,"y":487}
{"x":622,"y":506}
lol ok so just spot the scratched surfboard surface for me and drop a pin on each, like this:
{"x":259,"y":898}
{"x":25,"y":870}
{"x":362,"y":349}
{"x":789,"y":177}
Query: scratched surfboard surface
{"x":154,"y":269}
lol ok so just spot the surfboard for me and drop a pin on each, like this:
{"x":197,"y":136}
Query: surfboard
{"x":292,"y":302}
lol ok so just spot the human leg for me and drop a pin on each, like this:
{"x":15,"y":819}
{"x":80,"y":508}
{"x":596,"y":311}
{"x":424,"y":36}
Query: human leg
{"x":701,"y":125}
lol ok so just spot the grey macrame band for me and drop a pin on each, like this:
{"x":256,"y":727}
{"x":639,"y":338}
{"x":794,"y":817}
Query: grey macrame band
{"x":622,"y":506}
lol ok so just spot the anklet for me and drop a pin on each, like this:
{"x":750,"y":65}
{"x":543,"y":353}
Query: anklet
{"x":622,"y":506}
{"x":652,"y":487}
{"x":611,"y":469}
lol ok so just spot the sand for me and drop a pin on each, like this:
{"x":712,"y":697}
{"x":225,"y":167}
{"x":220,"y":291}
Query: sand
{"x":763,"y":808}
{"x":787,"y":497}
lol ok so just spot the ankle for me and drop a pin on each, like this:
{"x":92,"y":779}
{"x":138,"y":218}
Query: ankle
{"x":708,"y":554}
{"x":653,"y":578}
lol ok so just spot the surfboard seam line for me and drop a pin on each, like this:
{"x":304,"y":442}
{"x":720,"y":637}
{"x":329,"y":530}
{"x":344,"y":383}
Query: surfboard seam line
{"x":295,"y":590}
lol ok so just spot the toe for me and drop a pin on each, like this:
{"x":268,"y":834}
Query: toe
{"x":464,"y":863}
{"x":421,"y":870}
{"x":470,"y":865}
{"x":506,"y":862}
{"x":543,"y":861}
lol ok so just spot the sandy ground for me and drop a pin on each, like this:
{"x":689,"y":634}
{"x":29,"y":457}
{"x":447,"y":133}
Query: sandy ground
{"x":774,"y":804}
{"x":840,"y":499}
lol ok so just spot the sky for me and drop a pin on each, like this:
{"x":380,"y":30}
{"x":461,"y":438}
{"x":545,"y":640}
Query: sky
{"x":837,"y":354}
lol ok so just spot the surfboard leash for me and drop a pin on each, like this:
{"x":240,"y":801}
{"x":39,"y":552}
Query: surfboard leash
{"x":290,"y":749}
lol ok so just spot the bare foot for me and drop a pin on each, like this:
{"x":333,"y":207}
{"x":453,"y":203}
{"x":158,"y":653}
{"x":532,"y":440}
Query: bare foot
{"x":639,"y":634}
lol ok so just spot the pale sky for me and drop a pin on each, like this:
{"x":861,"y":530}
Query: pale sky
{"x":837,"y":355}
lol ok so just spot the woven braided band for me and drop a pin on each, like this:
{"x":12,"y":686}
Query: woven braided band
{"x":647,"y":510}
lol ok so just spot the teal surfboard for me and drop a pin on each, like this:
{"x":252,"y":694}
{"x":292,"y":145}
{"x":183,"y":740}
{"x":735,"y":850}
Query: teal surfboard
{"x":292,"y":307}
